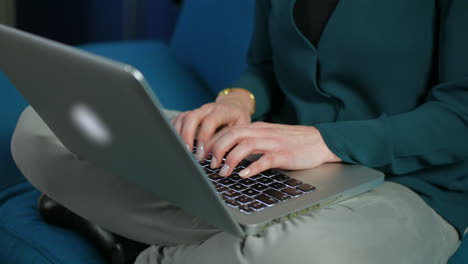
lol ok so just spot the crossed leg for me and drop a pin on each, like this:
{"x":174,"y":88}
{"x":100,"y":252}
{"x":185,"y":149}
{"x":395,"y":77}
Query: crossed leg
{"x":390,"y":224}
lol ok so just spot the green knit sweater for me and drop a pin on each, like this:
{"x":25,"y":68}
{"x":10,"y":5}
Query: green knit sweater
{"x":386,"y":85}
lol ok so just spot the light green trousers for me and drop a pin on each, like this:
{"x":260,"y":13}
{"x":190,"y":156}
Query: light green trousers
{"x":390,"y":224}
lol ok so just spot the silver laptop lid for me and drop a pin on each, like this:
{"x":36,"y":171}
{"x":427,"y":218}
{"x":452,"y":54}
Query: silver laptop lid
{"x":99,"y":109}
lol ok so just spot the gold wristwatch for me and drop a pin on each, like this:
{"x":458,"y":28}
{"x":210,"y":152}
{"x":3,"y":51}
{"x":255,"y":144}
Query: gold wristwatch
{"x":229,"y":90}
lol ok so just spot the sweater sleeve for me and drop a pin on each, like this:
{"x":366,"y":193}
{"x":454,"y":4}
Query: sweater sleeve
{"x":436,"y":132}
{"x":259,"y":77}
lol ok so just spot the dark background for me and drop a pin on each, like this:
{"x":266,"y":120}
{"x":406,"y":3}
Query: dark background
{"x":83,"y":21}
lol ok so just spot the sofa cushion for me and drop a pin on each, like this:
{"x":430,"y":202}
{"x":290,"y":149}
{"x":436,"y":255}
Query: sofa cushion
{"x":25,"y":238}
{"x":11,"y":106}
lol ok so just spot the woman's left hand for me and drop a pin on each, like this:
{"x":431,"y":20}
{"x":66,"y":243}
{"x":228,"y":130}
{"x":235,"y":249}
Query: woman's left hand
{"x":289,"y":147}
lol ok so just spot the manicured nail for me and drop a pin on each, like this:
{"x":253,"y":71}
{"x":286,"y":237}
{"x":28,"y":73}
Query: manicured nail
{"x":188,"y":147}
{"x":200,"y":151}
{"x":244,"y":172}
{"x":214,"y":162}
{"x":224,"y":170}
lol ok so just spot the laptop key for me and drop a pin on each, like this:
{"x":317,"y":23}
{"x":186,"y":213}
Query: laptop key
{"x":306,"y":187}
{"x":208,"y":171}
{"x":221,"y":189}
{"x":277,"y":185}
{"x":266,"y":199}
{"x":257,"y":206}
{"x":231,"y":193}
{"x":250,"y":192}
{"x":259,"y":187}
{"x":258,"y":176}
{"x":235,"y":177}
{"x":277,"y":194}
{"x":238,"y":169}
{"x":244,"y":199}
{"x":215,"y":176}
{"x":245,"y":163}
{"x":238,"y":187}
{"x":269,"y":173}
{"x":247,"y":181}
{"x":226,"y":181}
{"x":245,"y":208}
{"x":217,"y":170}
{"x":293,"y":182}
{"x":265,"y":180}
{"x":204,"y":162}
{"x":280,"y":177}
{"x":232,"y":203}
{"x":292,"y":191}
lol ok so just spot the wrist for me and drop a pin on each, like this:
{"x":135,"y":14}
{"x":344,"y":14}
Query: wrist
{"x":332,"y":157}
{"x":329,"y":156}
{"x":244,"y":98}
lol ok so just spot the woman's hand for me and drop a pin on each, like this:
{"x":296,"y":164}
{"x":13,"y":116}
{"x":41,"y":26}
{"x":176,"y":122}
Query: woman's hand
{"x":283,"y":146}
{"x":228,"y":111}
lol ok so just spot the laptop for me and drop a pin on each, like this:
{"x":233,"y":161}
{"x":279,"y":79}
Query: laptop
{"x":105,"y":112}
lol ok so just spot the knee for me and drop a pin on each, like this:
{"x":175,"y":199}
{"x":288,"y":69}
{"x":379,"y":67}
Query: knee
{"x":35,"y":148}
{"x":21,"y":146}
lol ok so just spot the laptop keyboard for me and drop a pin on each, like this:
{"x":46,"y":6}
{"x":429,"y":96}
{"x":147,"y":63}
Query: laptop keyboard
{"x":255,"y":193}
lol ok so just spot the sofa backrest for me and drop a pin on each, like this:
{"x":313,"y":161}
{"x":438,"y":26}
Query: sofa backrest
{"x":213,"y":36}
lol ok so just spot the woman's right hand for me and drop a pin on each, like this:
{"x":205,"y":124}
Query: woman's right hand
{"x":201,"y":124}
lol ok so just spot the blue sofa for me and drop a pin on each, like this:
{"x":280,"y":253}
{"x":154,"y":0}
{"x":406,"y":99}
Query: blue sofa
{"x":207,"y":52}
